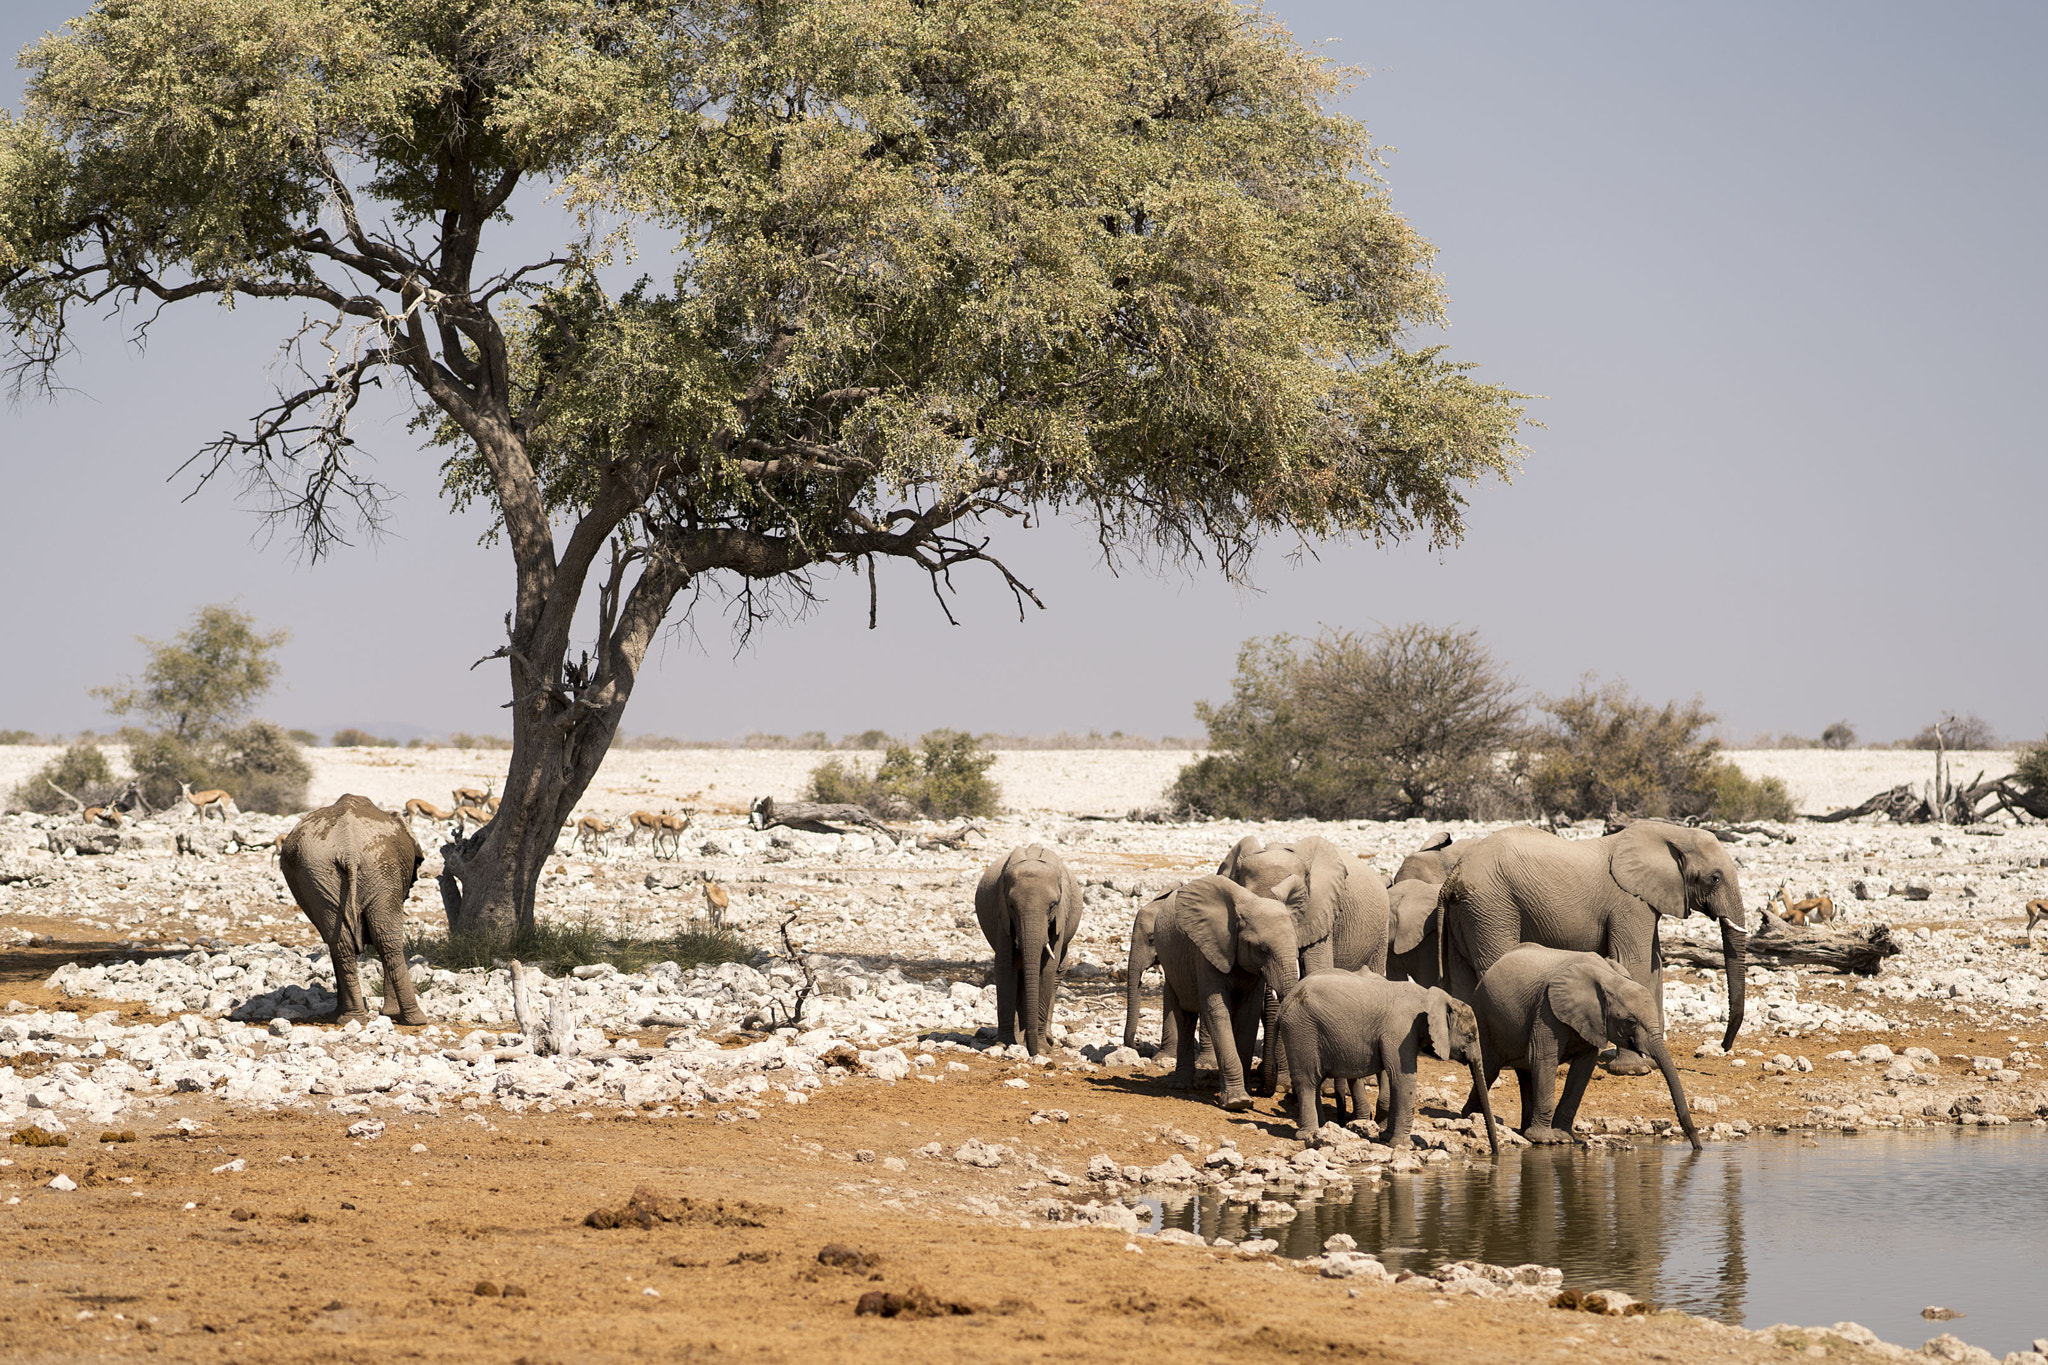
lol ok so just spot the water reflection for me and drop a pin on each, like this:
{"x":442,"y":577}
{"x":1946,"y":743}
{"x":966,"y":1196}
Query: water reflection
{"x":1867,"y":1228}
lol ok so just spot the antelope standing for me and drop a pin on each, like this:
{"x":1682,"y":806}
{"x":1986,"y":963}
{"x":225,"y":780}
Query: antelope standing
{"x":214,"y":800}
{"x":591,"y":831}
{"x":419,"y":808}
{"x":671,"y":832}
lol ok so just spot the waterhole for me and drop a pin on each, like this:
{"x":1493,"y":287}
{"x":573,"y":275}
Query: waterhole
{"x":1869,"y":1227}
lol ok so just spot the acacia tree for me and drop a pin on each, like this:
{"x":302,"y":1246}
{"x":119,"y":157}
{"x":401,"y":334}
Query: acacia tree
{"x":936,"y":263}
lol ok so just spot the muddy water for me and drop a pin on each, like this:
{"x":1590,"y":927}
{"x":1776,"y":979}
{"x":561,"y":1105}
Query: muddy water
{"x":1869,"y":1227}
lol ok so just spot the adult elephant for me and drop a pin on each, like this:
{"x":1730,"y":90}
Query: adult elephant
{"x":1523,"y":885}
{"x":1412,"y":911}
{"x":1340,"y":922}
{"x":1029,"y":906}
{"x":350,"y":867}
{"x":1222,"y":948}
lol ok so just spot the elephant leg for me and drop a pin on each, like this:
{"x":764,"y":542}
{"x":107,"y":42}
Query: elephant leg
{"x":1574,"y":1091}
{"x":1307,"y":1091}
{"x":1542,"y":1088}
{"x":1225,"y":1034}
{"x":1400,"y":1107}
{"x":1007,"y":991}
{"x":1040,"y":1029}
{"x":1358,"y":1110}
{"x":1525,"y":1081}
{"x":400,"y":1000}
{"x":348,"y":981}
{"x":1180,"y":1023}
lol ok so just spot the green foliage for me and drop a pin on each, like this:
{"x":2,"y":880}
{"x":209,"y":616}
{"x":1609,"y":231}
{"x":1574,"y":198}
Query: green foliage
{"x":202,"y":682}
{"x":866,"y":739}
{"x":1739,"y":797}
{"x":350,"y":737}
{"x":2030,"y":774}
{"x":561,"y":948}
{"x":1603,"y":749}
{"x":946,"y":776}
{"x":263,"y":769}
{"x":259,"y":765}
{"x":1409,"y":721}
{"x":81,"y":770}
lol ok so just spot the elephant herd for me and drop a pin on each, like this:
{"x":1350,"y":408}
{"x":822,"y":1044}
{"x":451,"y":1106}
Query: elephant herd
{"x":1521,"y":950}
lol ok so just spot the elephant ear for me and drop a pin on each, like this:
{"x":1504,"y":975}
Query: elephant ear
{"x":1314,"y":921}
{"x":1204,"y":910}
{"x":1233,"y":861}
{"x":1442,"y":840}
{"x":1414,"y":912}
{"x":1438,"y":1009}
{"x":1574,"y":996}
{"x":1645,"y":863}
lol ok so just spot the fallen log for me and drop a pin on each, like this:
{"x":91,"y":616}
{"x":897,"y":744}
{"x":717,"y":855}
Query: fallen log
{"x":816,"y":817}
{"x":955,"y":839}
{"x":1859,"y":952}
{"x":1901,"y":803}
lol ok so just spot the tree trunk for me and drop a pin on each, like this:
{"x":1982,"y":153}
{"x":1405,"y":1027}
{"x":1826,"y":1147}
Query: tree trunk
{"x":488,"y":880}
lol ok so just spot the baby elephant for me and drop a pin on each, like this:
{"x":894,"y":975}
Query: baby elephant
{"x":1540,"y":1006}
{"x":1350,"y":1025}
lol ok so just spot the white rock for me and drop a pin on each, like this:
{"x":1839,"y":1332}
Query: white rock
{"x":61,"y":1181}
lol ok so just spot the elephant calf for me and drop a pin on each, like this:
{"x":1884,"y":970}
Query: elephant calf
{"x":350,"y":867}
{"x":1349,"y":1025}
{"x":1029,"y":907}
{"x":1540,"y":1006}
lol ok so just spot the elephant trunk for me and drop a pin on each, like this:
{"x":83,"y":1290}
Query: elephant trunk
{"x":1280,"y":979}
{"x":1735,"y":957}
{"x":1031,"y":953}
{"x":1653,"y":1047}
{"x":1485,"y":1104}
{"x":1134,"y":976}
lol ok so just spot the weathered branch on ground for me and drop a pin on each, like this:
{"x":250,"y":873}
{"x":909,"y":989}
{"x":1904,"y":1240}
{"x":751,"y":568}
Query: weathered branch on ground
{"x":80,"y":805}
{"x":815,"y":817}
{"x":955,"y":839}
{"x":1901,"y":803}
{"x":1859,"y":952}
{"x":1727,"y":834}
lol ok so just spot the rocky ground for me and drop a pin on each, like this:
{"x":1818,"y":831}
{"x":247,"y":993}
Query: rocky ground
{"x":178,"y":997}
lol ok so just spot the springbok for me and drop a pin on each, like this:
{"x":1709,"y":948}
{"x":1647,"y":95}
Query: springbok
{"x":716,"y":898}
{"x":592,"y":831}
{"x":419,"y":808}
{"x":647,"y":820}
{"x":2037,"y":911}
{"x":471,"y":796}
{"x":213,"y":799}
{"x":468,"y":816}
{"x":671,"y":832}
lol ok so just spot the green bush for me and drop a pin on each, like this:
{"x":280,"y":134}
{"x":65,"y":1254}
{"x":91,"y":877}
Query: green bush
{"x":944,"y":778}
{"x":1739,"y":797}
{"x":352,"y":738}
{"x":81,"y":770}
{"x":258,"y":765}
{"x":305,"y":739}
{"x":1604,"y":750}
{"x":1409,"y":721}
{"x":561,"y":948}
{"x":2031,"y":772}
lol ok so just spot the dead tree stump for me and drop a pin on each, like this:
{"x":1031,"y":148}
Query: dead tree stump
{"x":1859,"y":952}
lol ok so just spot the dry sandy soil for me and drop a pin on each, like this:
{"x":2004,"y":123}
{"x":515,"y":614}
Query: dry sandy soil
{"x":234,"y":1230}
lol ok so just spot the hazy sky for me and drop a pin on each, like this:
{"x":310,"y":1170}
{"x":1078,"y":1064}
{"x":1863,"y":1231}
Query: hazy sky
{"x":1776,"y":269}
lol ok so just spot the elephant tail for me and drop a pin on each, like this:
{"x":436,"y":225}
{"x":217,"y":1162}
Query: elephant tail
{"x":348,"y":927}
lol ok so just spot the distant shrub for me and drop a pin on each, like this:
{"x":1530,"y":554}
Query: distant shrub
{"x":462,"y":740}
{"x":561,"y":948}
{"x":1739,"y":797}
{"x":81,"y":770}
{"x":264,"y":769}
{"x":1409,"y":721}
{"x":1603,"y":749}
{"x":352,"y":738}
{"x":305,"y":739}
{"x":867,"y":739}
{"x":259,"y":765}
{"x":946,"y":776}
{"x":20,"y":737}
{"x":1840,"y":735}
{"x":1957,"y":732}
{"x":2031,"y":772}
